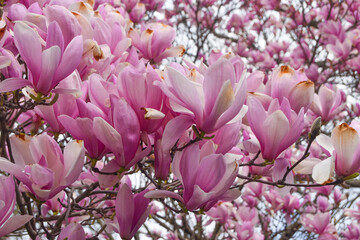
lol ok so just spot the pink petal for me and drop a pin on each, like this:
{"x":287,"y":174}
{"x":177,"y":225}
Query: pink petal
{"x":223,"y":101}
{"x":185,"y":90}
{"x":68,"y":24}
{"x":124,"y":209}
{"x":54,"y":36}
{"x":21,"y":151}
{"x":163,"y":194}
{"x":72,"y":231}
{"x":275,"y":128}
{"x":28,"y":43}
{"x":4,"y":62}
{"x":74,"y":154}
{"x":214,"y":79}
{"x":173,"y":131}
{"x":50,"y":61}
{"x":302,"y":95}
{"x":14,"y":223}
{"x":107,"y":135}
{"x":127,"y":125}
{"x":7,"y":166}
{"x":12,"y":84}
{"x":345,"y":140}
{"x":256,"y":117}
{"x":70,"y":59}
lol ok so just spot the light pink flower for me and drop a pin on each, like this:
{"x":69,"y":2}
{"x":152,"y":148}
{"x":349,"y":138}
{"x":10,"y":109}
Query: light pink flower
{"x":327,"y":103}
{"x":346,"y":142}
{"x":319,"y":223}
{"x":277,"y":128}
{"x":131,"y":211}
{"x":121,"y":135}
{"x":41,"y":166}
{"x":73,"y":231}
{"x":154,"y":42}
{"x":285,"y":82}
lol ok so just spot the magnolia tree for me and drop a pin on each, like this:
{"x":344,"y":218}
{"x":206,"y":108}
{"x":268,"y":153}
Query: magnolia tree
{"x":183,"y":119}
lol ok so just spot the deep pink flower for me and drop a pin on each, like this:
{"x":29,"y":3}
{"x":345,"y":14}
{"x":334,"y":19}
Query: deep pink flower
{"x":131,"y":211}
{"x":212,"y":99}
{"x":46,"y":67}
{"x":204,"y":185}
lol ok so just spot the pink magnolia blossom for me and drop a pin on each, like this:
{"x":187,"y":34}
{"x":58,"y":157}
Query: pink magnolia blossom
{"x":41,"y":166}
{"x":73,"y":231}
{"x":221,"y":212}
{"x":136,"y":85}
{"x":46,"y":67}
{"x":81,"y":128}
{"x":137,"y":12}
{"x":122,"y":135}
{"x":154,"y":42}
{"x":341,"y":50}
{"x":153,"y":4}
{"x":54,"y":204}
{"x":344,"y":146}
{"x":346,"y":142}
{"x":327,"y":103}
{"x":352,"y":232}
{"x":131,"y":211}
{"x":245,"y":231}
{"x":65,"y":104}
{"x":285,"y":82}
{"x":203,"y":184}
{"x":277,"y":128}
{"x":212,"y":99}
{"x":319,"y":223}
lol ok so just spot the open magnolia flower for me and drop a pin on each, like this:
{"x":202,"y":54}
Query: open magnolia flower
{"x":204,"y":185}
{"x":41,"y":166}
{"x":47,"y":66}
{"x":212,"y":99}
{"x":154,"y":42}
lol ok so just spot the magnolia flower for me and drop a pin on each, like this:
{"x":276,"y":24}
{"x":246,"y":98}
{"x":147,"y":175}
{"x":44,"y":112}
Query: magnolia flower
{"x":203,"y":183}
{"x":344,"y":145}
{"x":41,"y":166}
{"x":131,"y":211}
{"x":73,"y":231}
{"x":319,"y":223}
{"x":285,"y":82}
{"x":46,"y":67}
{"x":327,"y":103}
{"x":122,"y":135}
{"x":277,"y":128}
{"x":210,"y":100}
{"x":154,"y":42}
{"x":81,"y":128}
